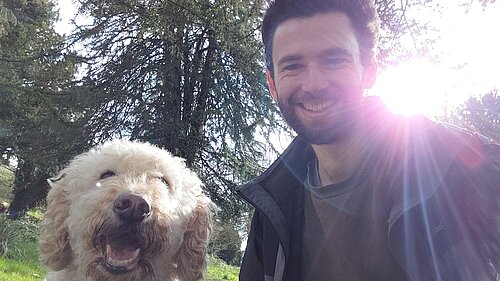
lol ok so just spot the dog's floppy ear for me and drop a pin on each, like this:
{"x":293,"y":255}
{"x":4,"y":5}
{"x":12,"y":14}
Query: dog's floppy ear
{"x":55,"y":251}
{"x":191,"y":257}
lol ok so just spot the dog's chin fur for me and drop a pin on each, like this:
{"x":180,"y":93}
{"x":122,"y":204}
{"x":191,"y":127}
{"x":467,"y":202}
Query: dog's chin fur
{"x":83,"y":239}
{"x":97,"y":270}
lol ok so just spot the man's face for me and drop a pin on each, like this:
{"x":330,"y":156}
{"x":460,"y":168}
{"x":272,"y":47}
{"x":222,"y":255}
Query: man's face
{"x":318,"y":76}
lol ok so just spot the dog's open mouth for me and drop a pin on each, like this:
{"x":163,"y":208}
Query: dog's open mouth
{"x":121,"y":252}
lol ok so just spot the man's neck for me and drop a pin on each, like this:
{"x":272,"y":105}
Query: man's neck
{"x":338,"y":161}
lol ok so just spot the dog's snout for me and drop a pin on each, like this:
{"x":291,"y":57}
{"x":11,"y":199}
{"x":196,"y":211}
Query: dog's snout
{"x":131,"y":208}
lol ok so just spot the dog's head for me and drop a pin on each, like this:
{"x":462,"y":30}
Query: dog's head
{"x":130,"y":209}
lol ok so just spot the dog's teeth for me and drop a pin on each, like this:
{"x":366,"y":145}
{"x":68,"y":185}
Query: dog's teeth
{"x":116,"y":261}
{"x":121,"y":262}
{"x":136,"y":254}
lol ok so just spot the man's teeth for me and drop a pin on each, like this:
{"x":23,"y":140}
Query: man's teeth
{"x":317,"y":107}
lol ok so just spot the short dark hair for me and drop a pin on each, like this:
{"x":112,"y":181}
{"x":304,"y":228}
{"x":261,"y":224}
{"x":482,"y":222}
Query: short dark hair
{"x":362,"y":14}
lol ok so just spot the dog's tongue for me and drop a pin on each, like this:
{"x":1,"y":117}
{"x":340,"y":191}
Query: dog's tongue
{"x":122,"y":258}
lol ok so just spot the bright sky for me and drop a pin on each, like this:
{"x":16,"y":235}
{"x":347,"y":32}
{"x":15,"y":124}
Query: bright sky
{"x":67,"y":11}
{"x":470,"y":64}
{"x":469,"y":51}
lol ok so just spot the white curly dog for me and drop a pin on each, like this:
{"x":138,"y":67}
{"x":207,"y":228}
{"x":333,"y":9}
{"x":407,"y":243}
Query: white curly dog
{"x":125,"y":211}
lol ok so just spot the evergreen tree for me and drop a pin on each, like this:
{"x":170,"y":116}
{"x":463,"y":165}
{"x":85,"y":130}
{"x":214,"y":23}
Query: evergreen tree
{"x":7,"y":18}
{"x":39,"y":116}
{"x":185,"y":75}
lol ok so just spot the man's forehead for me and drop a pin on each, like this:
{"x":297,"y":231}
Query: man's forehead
{"x":325,"y":32}
{"x":323,"y":17}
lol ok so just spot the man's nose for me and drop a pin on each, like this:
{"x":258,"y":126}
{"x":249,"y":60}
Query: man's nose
{"x":314,"y":80}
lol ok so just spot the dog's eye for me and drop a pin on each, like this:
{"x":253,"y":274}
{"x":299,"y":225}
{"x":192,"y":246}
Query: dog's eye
{"x":164,"y":181}
{"x":106,"y":175}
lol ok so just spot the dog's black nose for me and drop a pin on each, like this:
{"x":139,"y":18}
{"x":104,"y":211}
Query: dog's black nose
{"x":131,"y":208}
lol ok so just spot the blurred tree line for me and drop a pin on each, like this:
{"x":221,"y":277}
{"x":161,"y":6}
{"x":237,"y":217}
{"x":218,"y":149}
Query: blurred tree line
{"x":186,"y":75}
{"x":479,"y":114}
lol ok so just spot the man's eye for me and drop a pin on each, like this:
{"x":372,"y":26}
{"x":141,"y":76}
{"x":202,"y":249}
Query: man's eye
{"x":291,"y":67}
{"x":106,"y":175}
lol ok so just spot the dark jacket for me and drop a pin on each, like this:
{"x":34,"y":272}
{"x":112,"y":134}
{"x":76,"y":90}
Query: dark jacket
{"x":443,"y":223}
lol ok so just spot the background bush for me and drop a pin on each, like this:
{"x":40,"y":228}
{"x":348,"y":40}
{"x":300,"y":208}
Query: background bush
{"x":18,"y":238}
{"x":6,"y":180}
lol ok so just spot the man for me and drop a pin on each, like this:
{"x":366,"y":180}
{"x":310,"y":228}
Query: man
{"x":362,"y":194}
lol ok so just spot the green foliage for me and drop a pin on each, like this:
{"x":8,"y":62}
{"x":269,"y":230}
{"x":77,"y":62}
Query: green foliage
{"x":39,"y":110}
{"x":7,"y":18}
{"x":480,"y":114}
{"x":225,"y":242}
{"x":35,"y":215}
{"x":218,"y":270}
{"x":6,"y":179}
{"x":18,"y":239}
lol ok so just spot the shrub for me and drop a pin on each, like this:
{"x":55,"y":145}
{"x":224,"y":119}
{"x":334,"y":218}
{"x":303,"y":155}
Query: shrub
{"x":6,"y":180}
{"x":225,"y":243}
{"x":18,"y":239}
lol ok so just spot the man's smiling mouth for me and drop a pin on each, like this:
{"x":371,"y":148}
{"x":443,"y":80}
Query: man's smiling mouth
{"x":317,"y":106}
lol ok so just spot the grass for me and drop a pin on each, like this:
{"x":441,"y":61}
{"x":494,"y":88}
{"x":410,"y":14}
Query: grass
{"x":218,"y":270}
{"x":18,"y":249}
{"x":19,"y":252}
{"x":14,"y":270}
{"x":18,"y":239}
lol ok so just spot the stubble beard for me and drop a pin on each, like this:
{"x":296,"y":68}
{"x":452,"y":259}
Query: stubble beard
{"x":322,"y":131}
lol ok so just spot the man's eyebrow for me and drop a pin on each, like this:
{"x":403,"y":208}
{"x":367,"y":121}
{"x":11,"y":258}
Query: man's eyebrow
{"x":327,"y":52}
{"x":288,"y":58}
{"x":336,"y":52}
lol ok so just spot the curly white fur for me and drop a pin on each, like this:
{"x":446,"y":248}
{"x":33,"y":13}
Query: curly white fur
{"x":83,"y":237}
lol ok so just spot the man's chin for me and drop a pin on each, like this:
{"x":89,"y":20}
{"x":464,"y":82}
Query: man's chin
{"x":325,"y":133}
{"x":322,"y":137}
{"x":330,"y":129}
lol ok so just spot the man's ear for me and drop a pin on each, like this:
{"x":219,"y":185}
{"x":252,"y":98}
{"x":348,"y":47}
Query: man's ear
{"x":272,"y":87}
{"x":370,"y":73}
